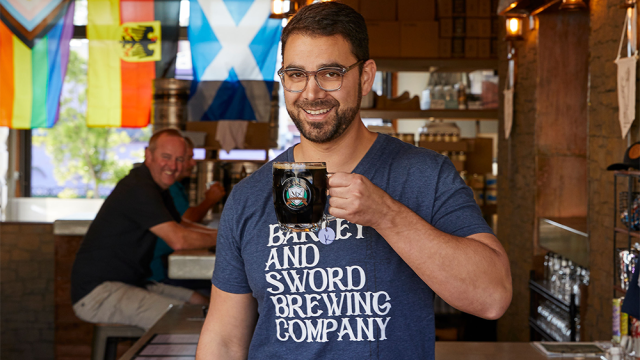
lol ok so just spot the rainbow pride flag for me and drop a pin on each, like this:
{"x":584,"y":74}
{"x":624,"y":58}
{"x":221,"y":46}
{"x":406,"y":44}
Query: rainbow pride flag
{"x":31,"y":78}
{"x":131,"y":42}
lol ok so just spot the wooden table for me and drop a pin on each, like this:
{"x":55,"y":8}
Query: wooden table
{"x":191,"y":264}
{"x":181,"y":319}
{"x":194,"y":264}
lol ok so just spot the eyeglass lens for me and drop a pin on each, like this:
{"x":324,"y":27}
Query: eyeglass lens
{"x":327,"y":79}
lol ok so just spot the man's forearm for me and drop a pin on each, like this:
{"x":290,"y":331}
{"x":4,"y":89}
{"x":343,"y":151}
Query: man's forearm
{"x":228,"y":328}
{"x":196,"y":227}
{"x":471,"y":274}
{"x":198,"y":212}
{"x":193,"y":239}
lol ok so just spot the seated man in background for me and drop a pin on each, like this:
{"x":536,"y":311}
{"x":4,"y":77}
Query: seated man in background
{"x":193,"y":214}
{"x":109,"y":276}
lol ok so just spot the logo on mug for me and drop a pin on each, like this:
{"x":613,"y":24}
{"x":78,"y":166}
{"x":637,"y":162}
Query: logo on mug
{"x":296,"y":193}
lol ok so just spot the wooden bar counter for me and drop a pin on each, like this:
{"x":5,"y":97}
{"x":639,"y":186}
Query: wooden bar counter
{"x":457,"y":350}
{"x":188,"y":319}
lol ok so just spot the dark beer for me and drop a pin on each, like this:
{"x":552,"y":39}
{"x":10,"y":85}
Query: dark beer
{"x":299,"y":194}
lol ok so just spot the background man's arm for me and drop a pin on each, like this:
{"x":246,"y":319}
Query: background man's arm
{"x":471,"y":274}
{"x":179,"y":237}
{"x":214,"y":194}
{"x":196,"y":227}
{"x":229,"y":326}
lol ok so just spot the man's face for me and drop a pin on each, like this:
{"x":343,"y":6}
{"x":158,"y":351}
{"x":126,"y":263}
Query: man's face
{"x":167,"y":161}
{"x":189,"y":164}
{"x":319,"y":115}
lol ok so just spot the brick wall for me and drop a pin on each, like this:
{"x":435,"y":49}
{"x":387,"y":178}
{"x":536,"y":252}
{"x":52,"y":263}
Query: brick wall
{"x":26,"y":281}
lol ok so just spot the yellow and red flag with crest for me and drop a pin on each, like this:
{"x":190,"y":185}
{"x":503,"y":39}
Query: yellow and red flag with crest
{"x":131,"y":42}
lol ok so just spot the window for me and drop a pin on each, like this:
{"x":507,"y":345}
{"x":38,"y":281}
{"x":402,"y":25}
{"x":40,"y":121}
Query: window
{"x":71,"y":160}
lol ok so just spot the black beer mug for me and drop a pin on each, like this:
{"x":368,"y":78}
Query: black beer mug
{"x":300,"y":195}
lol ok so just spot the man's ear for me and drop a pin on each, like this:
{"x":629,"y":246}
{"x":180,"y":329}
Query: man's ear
{"x":368,"y":76}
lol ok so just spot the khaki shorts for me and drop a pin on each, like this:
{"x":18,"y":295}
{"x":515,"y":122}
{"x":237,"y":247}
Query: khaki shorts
{"x":119,"y":303}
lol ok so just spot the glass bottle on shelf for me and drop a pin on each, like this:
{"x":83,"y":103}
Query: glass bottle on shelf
{"x":462,"y":97}
{"x":462,"y":156}
{"x":547,"y":259}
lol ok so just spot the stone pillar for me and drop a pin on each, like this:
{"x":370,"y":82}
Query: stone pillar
{"x":516,"y":183}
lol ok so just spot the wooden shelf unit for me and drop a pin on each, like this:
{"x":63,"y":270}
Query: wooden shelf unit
{"x":484,"y":114}
{"x":433,"y":64}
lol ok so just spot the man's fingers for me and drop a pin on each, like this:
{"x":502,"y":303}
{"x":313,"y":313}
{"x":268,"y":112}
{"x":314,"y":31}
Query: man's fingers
{"x":339,"y":192}
{"x":338,"y":203}
{"x":338,"y":213}
{"x":339,"y":180}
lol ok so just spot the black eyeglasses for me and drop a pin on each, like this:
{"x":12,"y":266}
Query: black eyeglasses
{"x":328,"y":78}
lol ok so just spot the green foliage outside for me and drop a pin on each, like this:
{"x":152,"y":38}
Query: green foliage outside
{"x":77,"y":150}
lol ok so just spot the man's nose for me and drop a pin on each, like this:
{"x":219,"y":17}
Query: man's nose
{"x":313,"y":91}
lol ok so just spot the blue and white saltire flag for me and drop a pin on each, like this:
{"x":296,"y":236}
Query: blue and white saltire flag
{"x":234,"y":48}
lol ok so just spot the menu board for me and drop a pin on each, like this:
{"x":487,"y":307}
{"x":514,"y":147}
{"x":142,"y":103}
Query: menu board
{"x":170,"y":347}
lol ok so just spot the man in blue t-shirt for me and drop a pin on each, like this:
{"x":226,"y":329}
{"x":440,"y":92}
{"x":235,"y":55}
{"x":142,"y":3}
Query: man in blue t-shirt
{"x":407,"y":227}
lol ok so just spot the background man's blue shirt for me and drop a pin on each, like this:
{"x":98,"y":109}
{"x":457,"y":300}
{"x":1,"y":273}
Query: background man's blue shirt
{"x":181,"y":201}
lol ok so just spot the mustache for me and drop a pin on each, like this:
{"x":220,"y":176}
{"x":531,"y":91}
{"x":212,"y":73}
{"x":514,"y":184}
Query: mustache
{"x":321,"y":103}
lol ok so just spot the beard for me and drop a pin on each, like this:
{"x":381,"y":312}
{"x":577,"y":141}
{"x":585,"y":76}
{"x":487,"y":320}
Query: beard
{"x":323,"y":132}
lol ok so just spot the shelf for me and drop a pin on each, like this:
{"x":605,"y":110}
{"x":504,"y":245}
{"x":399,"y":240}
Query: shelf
{"x":539,"y":330}
{"x":440,"y":146}
{"x":567,"y":237}
{"x":440,"y":65}
{"x":576,"y":225}
{"x":542,"y":290}
{"x":619,"y":289}
{"x":635,"y":234}
{"x":626,"y":173}
{"x":489,"y":209}
{"x":485,"y":114}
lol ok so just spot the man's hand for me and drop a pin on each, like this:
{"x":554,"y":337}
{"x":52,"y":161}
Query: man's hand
{"x":215,"y":193}
{"x":357,"y":200}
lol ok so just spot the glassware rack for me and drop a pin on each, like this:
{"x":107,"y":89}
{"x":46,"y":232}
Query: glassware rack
{"x":565,"y":320}
{"x":626,"y":225}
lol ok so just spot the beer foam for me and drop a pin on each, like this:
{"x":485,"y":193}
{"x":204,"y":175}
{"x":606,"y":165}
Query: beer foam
{"x":299,"y":165}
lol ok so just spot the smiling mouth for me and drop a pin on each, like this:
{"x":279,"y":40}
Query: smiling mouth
{"x":317,"y":112}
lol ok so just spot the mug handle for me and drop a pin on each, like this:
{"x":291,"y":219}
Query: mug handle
{"x":327,"y":217}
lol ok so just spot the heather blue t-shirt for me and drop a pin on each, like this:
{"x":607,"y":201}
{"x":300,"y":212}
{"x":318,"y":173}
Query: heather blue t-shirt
{"x":353,"y":298}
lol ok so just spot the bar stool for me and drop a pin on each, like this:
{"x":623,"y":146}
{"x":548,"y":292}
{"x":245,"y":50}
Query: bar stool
{"x":107,"y":336}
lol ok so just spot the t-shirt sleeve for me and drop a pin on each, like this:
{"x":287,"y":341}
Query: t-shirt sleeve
{"x":454,"y":210}
{"x":145,"y":206}
{"x":229,"y":274}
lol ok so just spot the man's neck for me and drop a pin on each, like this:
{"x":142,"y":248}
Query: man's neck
{"x":341,"y":154}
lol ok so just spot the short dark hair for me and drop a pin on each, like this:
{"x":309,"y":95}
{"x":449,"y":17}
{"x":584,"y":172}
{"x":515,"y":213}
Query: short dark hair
{"x":329,"y":19}
{"x":153,"y":142}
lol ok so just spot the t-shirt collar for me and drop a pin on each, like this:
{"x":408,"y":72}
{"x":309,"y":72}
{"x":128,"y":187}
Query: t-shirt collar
{"x":363,"y":165}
